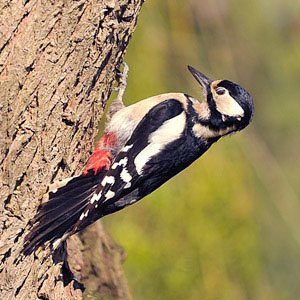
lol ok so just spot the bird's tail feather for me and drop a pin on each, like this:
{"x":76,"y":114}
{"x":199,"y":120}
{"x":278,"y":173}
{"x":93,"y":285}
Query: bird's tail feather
{"x":60,"y":210}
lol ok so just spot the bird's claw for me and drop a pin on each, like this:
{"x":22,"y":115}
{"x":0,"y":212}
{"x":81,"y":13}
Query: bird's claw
{"x":122,"y":81}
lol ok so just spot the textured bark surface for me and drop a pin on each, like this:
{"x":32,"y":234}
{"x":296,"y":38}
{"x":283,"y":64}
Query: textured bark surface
{"x":58,"y":61}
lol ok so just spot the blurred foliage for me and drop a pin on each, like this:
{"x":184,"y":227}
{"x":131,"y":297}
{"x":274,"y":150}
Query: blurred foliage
{"x":228,"y":227}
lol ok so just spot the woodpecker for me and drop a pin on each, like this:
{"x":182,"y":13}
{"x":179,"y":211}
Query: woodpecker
{"x":144,"y":145}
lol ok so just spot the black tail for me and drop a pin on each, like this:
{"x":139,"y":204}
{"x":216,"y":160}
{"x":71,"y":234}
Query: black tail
{"x":57,"y":216}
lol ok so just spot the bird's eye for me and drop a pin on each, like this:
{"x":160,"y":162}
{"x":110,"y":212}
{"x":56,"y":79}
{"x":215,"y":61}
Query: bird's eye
{"x":220,"y":91}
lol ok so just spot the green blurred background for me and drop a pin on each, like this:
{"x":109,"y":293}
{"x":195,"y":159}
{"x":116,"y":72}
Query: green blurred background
{"x":228,"y":227}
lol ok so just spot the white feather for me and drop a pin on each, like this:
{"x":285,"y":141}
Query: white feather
{"x":108,"y":179}
{"x":122,"y":162}
{"x":125,"y":176}
{"x":109,"y":195}
{"x":126,"y":148}
{"x":170,"y":131}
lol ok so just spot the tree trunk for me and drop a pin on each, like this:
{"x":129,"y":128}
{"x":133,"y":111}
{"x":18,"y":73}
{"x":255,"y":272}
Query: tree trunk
{"x":58,"y":61}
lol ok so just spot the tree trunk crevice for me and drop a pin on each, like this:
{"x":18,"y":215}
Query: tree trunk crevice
{"x":58,"y":62}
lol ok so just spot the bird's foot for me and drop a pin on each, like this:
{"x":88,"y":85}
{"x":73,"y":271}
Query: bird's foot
{"x":122,"y":82}
{"x":118,"y":102}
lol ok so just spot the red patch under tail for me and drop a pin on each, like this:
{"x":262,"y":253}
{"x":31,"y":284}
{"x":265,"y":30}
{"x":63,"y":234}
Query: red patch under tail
{"x":102,"y":156}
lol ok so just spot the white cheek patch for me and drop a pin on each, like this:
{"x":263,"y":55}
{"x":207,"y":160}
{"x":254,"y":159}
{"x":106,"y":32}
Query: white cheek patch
{"x":168,"y":132}
{"x":226,"y":105}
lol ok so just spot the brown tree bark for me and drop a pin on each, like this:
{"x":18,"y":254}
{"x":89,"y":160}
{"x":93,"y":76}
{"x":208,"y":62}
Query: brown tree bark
{"x":58,"y":61}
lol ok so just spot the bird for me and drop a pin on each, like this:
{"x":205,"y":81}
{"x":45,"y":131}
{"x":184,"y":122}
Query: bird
{"x":143,"y":146}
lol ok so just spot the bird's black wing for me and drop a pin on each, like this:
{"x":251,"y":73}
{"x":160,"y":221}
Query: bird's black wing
{"x":163,"y":124}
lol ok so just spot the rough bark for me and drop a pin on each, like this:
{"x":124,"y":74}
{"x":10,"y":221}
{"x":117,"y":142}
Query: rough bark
{"x":58,"y":61}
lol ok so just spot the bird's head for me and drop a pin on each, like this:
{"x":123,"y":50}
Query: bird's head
{"x":229,"y":104}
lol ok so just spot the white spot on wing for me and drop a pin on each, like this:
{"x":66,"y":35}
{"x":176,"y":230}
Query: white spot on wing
{"x":108,"y":179}
{"x":95,"y":197}
{"x":125,"y":176}
{"x":145,"y":155}
{"x":168,"y":132}
{"x":81,"y":216}
{"x":109,"y":195}
{"x":122,"y":162}
{"x":115,"y":165}
{"x":126,"y":148}
{"x":127,"y":185}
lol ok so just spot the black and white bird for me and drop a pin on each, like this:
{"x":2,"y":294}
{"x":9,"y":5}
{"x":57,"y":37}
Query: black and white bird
{"x":144,"y":145}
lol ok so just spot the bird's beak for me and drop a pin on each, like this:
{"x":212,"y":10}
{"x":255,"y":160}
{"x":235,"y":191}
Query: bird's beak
{"x":201,"y":78}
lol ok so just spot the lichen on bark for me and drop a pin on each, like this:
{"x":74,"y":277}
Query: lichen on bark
{"x":58,"y":62}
